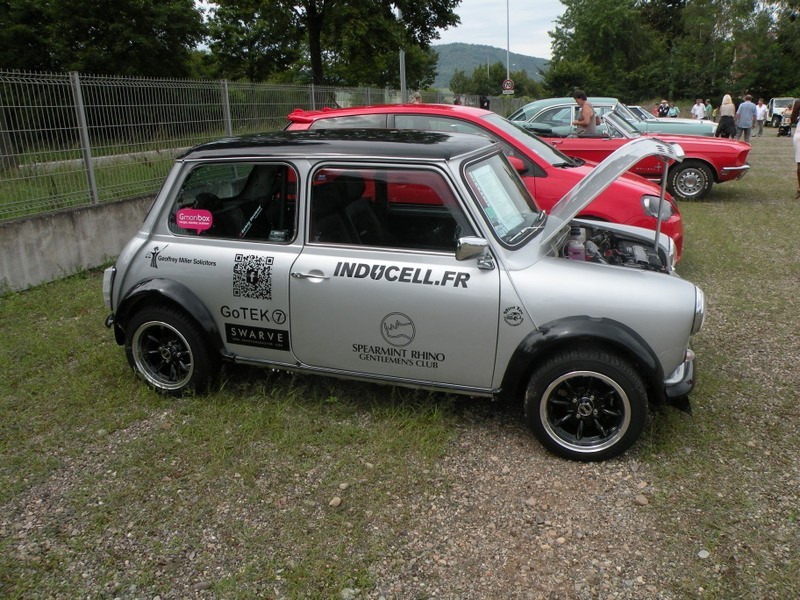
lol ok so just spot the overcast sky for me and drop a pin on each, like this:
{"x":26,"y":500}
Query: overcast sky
{"x":484,"y":22}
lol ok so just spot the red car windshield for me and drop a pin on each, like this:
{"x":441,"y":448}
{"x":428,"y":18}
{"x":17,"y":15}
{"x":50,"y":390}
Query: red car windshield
{"x":531,"y":140}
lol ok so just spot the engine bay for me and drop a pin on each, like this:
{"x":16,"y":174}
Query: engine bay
{"x":598,"y":245}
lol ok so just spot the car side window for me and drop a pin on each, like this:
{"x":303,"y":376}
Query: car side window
{"x":390,"y":208}
{"x":351,"y":122}
{"x":251,"y":201}
{"x":558,"y":115}
{"x":429,"y":123}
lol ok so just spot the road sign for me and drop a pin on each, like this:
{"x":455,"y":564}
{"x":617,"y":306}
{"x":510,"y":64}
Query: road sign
{"x":508,"y":86}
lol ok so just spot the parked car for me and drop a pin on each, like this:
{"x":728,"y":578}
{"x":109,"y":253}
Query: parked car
{"x":558,"y":113}
{"x":408,"y":258}
{"x":547,"y":173}
{"x":775,"y":108}
{"x":708,"y":160}
{"x":643,"y":115}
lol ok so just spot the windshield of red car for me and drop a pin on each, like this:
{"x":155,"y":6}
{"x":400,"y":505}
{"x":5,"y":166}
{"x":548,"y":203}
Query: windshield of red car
{"x":528,"y":139}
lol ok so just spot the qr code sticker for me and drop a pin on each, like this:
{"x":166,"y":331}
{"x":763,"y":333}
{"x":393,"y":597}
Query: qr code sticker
{"x":252,"y":276}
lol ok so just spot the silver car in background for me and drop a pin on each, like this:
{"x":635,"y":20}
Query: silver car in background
{"x":408,"y":258}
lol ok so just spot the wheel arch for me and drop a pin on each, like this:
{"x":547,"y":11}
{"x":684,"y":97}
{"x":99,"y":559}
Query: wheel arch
{"x":582,"y":331}
{"x":159,"y":291}
{"x":690,"y":160}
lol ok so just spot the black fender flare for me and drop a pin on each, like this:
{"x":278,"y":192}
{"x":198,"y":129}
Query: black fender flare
{"x":562,"y":333}
{"x":175,"y":293}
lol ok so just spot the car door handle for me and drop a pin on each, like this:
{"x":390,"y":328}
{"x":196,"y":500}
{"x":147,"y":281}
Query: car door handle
{"x":297,"y":275}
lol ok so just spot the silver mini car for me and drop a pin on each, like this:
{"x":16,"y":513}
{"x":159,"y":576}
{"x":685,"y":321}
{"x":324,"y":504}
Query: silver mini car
{"x":408,"y":258}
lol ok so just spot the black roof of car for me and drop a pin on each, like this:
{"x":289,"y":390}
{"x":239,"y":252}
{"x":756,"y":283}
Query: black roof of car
{"x":390,"y":143}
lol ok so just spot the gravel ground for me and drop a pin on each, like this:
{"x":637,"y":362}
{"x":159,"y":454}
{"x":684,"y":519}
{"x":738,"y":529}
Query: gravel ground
{"x":497,"y":517}
{"x":505,"y":519}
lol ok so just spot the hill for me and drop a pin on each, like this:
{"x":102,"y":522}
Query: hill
{"x":466,"y":57}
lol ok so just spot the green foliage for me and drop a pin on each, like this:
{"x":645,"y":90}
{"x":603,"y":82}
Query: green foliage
{"x":344,"y":42}
{"x":675,"y":48}
{"x":135,"y":37}
{"x":252,"y":39}
{"x":468,"y":57}
{"x":487,"y":81}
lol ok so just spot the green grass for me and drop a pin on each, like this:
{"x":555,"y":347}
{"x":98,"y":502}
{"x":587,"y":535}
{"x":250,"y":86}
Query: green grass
{"x":233,"y":488}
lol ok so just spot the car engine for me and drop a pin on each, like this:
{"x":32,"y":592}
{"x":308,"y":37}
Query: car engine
{"x":601,"y":246}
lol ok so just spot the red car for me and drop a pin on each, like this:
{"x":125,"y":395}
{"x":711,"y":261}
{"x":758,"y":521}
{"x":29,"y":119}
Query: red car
{"x":708,"y":160}
{"x":547,"y":173}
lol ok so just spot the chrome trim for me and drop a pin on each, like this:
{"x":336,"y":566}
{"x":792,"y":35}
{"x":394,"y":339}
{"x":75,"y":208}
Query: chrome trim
{"x":677,"y":375}
{"x":743,"y":169}
{"x":699,"y":310}
{"x":108,"y":286}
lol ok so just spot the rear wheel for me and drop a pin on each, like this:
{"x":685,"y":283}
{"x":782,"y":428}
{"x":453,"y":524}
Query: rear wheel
{"x":169,"y":351}
{"x":690,"y":180}
{"x":586,"y":404}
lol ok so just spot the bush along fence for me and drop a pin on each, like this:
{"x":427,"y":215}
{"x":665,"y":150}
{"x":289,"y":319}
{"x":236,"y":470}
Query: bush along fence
{"x":69,"y":140}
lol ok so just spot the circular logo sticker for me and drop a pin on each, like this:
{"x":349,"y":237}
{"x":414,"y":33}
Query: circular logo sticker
{"x":398,"y":329}
{"x":513,"y":316}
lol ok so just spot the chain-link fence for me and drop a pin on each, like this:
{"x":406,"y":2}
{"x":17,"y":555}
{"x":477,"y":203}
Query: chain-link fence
{"x":71,"y":140}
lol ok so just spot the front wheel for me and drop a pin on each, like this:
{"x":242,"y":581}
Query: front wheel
{"x":586,"y":404}
{"x":169,"y":351}
{"x":776,"y":121}
{"x":690,"y":180}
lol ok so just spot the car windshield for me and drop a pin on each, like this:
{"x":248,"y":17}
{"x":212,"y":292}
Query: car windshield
{"x":526,"y":138}
{"x":617,"y":120}
{"x":504,"y":201}
{"x":643,"y":115}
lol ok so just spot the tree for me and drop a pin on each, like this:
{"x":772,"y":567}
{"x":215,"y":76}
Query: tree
{"x":603,"y":44}
{"x":253,"y":39}
{"x":135,"y":37}
{"x":349,"y":42}
{"x":487,"y":81}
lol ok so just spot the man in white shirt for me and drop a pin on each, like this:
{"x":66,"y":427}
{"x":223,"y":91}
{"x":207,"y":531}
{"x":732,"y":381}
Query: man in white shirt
{"x":761,"y":116}
{"x":699,"y":109}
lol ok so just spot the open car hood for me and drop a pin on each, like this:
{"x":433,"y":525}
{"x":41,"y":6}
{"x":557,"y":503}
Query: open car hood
{"x":603,"y":175}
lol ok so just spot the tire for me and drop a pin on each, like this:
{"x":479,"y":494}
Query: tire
{"x":586,"y":404}
{"x":169,"y":352}
{"x":776,"y":121}
{"x":690,"y":180}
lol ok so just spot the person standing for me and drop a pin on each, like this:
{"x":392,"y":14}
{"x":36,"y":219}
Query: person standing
{"x":796,"y":142}
{"x":416,"y":98}
{"x":727,"y":125}
{"x":761,"y":116}
{"x":587,"y":119}
{"x":674,"y":111}
{"x":699,"y":109}
{"x":663,"y":109}
{"x":708,"y":110}
{"x":745,"y":118}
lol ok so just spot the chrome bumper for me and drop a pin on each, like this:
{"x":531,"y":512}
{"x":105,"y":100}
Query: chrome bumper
{"x":741,"y":170}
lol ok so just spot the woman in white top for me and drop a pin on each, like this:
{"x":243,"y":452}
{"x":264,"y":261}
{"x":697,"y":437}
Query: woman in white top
{"x":727,"y":111}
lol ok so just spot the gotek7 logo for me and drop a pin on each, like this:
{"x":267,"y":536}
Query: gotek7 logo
{"x":252,"y":276}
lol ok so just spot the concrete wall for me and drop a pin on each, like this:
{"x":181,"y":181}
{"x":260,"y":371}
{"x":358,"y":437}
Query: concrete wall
{"x":42,"y":248}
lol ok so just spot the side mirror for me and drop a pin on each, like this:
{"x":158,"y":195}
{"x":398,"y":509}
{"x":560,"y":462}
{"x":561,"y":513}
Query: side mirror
{"x":517,"y":163}
{"x":470,"y":246}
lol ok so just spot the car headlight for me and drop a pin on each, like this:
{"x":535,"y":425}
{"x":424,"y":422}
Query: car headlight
{"x":699,"y":310}
{"x":650,"y":206}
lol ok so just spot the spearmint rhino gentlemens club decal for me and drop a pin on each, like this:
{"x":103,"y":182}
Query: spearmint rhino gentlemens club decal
{"x":398,"y":330}
{"x":156,"y":256}
{"x":393,"y":273}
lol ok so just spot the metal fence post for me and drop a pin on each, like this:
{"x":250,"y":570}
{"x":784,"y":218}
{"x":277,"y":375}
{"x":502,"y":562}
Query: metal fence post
{"x":313,"y":104}
{"x":226,"y":108}
{"x":83,"y":130}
